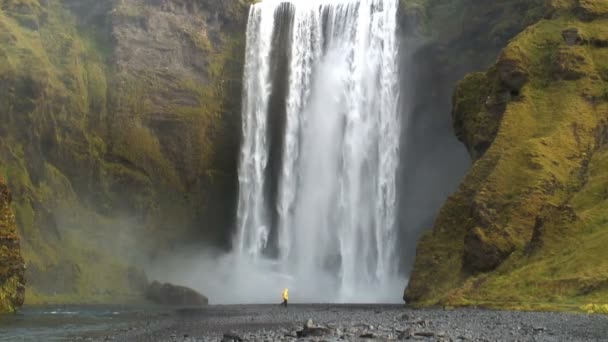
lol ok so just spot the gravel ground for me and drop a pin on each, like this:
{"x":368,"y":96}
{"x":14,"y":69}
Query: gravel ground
{"x":354,"y":323}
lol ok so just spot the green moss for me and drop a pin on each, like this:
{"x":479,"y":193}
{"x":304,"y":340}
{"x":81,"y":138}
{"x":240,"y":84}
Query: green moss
{"x":11,"y":262}
{"x":593,"y":8}
{"x":55,"y":98}
{"x":474,"y":124}
{"x":83,"y":151}
{"x":537,"y":189}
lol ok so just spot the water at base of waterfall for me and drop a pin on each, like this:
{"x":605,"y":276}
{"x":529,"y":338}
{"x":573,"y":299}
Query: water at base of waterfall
{"x":328,"y":231}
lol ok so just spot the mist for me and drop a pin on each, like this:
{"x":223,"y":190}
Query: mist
{"x":229,"y":279}
{"x":296,"y":236}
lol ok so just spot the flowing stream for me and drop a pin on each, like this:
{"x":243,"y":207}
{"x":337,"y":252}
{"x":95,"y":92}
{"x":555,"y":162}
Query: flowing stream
{"x":320,"y":151}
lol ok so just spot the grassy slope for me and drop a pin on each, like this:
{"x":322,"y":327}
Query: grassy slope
{"x":527,"y":226}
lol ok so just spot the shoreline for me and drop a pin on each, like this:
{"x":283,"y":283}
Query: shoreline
{"x":271,"y":322}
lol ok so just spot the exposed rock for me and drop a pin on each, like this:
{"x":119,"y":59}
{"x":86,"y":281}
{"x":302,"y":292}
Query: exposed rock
{"x":599,"y":42}
{"x":174,"y":295}
{"x":512,"y":72}
{"x":572,"y":36}
{"x":232,"y":337}
{"x":484,"y":251}
{"x":486,"y":245}
{"x":474,"y":111}
{"x":12,"y":268}
{"x":407,"y":334}
{"x":313,"y":330}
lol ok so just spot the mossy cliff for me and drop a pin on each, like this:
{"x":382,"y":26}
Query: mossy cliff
{"x":12,"y":277}
{"x":528,"y":226}
{"x":120,"y":123}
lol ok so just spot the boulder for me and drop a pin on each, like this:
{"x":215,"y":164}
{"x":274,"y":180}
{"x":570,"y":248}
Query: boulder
{"x":572,"y":36}
{"x":312,"y":330}
{"x":512,"y":73}
{"x":232,"y":336}
{"x":174,"y":295}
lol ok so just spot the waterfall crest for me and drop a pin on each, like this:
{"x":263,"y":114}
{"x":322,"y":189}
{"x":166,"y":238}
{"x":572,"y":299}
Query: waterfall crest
{"x":328,"y":229}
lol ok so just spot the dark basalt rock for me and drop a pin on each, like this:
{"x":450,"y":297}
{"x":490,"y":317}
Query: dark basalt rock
{"x":312,"y":330}
{"x":232,"y":337}
{"x":174,"y":295}
{"x":572,"y":36}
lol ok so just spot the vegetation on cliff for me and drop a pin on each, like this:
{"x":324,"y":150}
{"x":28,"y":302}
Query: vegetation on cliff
{"x":528,"y":224}
{"x":103,"y":147}
{"x":12,"y":277}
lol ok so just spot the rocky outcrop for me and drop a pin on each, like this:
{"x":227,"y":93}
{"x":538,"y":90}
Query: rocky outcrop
{"x":121,"y":119}
{"x":458,"y":37}
{"x":528,"y":218}
{"x":12,"y":269}
{"x":174,"y":295}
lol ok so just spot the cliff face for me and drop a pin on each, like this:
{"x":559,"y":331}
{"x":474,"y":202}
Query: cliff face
{"x":120,"y":123}
{"x":12,"y":278}
{"x":456,"y":37}
{"x":527,"y":224}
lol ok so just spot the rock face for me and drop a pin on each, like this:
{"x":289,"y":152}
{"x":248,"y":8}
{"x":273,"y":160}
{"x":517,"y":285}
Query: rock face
{"x":527,"y":221}
{"x":463,"y":36}
{"x":120,"y":119}
{"x":174,"y":295}
{"x":12,"y":269}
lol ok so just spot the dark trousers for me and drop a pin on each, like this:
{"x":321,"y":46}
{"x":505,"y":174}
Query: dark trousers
{"x":284,"y":302}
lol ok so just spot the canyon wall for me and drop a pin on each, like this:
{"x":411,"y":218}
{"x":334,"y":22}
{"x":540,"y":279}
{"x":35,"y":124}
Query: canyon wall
{"x":526,"y":226}
{"x":121,"y":129}
{"x":120,"y":136}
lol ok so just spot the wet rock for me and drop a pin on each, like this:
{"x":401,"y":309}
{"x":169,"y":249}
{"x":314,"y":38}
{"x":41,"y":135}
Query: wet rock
{"x":174,"y":295}
{"x":405,"y":335}
{"x":367,"y":335}
{"x":231,"y":336}
{"x":420,"y":322}
{"x":312,"y":330}
{"x":424,"y":333}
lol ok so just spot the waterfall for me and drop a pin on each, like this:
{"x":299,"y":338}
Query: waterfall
{"x":330,"y":228}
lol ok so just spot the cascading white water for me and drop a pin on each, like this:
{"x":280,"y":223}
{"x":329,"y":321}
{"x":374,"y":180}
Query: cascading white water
{"x":336,"y":204}
{"x":252,"y":215}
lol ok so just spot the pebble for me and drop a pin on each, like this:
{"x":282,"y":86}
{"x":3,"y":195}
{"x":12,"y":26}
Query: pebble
{"x":345,"y":323}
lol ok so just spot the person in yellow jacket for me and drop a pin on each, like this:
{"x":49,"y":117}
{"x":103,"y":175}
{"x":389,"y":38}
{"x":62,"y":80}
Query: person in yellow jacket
{"x":285,"y":297}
